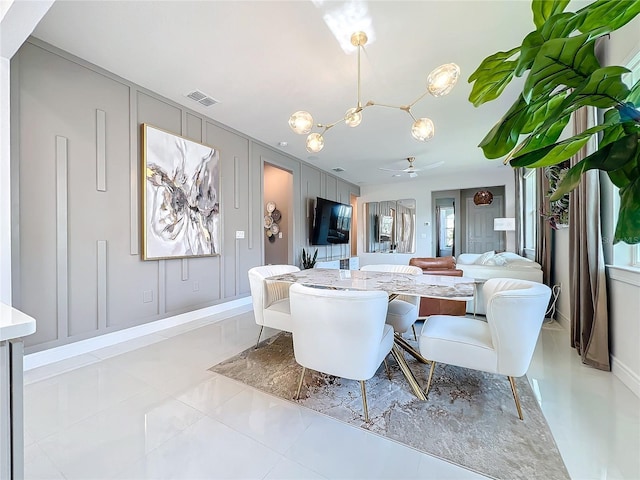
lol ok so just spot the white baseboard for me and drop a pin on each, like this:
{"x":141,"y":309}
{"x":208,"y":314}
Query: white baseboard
{"x":45,"y":357}
{"x":619,"y":369}
{"x":563,"y":320}
{"x":626,"y":375}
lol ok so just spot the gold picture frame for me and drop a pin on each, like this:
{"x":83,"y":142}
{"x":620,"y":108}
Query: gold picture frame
{"x":180,"y":196}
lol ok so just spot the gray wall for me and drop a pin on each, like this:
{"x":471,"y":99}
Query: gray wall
{"x":278,"y":188}
{"x":76,"y":223}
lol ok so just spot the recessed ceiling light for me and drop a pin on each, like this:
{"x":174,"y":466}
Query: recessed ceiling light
{"x":283,"y":144}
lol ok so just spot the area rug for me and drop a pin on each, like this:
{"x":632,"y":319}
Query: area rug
{"x":469,"y":418}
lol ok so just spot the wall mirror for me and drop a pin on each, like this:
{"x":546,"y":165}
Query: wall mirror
{"x":390,"y":226}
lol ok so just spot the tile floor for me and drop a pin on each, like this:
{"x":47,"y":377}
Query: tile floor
{"x":149,"y":408}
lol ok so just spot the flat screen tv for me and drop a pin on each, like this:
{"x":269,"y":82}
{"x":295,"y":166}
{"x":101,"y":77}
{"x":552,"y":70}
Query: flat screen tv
{"x":331,"y":223}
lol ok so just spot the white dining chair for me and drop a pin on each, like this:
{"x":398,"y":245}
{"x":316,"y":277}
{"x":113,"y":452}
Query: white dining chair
{"x":504,"y":344}
{"x":340,"y":332}
{"x":270,"y":299}
{"x":403,"y":310}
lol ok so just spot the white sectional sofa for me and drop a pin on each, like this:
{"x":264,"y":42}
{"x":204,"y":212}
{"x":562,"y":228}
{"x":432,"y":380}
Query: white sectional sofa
{"x":483,"y":266}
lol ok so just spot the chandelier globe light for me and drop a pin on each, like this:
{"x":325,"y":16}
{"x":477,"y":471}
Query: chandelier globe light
{"x":440,"y":82}
{"x":301,"y":122}
{"x":353,"y":117}
{"x":423,"y":129}
{"x":442,"y":79}
{"x":315,"y":143}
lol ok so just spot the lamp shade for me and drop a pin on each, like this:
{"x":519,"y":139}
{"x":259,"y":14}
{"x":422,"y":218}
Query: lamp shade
{"x":483,"y":197}
{"x":504,"y":224}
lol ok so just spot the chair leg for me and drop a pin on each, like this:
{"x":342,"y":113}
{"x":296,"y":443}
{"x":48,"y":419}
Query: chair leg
{"x":433,"y":367}
{"x":300,"y":383}
{"x":364,"y":401}
{"x":259,"y":334}
{"x":386,"y":368}
{"x":413,"y":327}
{"x":515,"y":396}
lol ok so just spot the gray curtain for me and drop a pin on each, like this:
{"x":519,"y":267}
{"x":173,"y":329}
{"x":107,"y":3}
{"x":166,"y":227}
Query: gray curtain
{"x":589,"y":315}
{"x":518,"y":173}
{"x":543,"y":228}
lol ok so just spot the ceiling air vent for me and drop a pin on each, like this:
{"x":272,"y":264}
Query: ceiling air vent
{"x":202,"y":98}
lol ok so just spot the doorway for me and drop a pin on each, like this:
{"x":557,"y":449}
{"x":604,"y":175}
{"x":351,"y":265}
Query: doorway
{"x":278,"y":215}
{"x":461,"y":226}
{"x":481,"y":237}
{"x":445,"y":227}
{"x":353,"y":201}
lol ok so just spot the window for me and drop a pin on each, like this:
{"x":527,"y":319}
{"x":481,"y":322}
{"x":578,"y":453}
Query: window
{"x":529,"y":213}
{"x":447,"y":220}
{"x":624,"y":254}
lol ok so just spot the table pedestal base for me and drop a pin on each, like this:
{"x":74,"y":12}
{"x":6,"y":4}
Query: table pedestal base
{"x":398,"y":354}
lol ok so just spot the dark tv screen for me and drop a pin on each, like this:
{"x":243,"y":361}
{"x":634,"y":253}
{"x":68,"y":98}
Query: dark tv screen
{"x":331,"y":224}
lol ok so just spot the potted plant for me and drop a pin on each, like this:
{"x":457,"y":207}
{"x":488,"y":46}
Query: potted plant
{"x":307,"y":260}
{"x":563,"y":74}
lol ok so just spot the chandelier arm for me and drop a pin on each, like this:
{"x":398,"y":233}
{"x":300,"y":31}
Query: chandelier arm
{"x":372,"y":104}
{"x":327,"y":126}
{"x":359,"y":102}
{"x":419,"y":98}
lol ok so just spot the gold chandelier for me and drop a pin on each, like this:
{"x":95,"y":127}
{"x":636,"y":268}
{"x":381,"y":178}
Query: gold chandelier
{"x":439,"y":83}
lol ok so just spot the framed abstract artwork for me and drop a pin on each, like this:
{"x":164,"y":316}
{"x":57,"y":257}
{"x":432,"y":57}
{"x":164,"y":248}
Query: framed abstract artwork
{"x":180,"y":196}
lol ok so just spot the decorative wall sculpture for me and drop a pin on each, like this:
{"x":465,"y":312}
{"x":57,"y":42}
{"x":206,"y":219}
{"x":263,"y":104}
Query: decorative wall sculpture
{"x":271,"y":219}
{"x":180,"y":200}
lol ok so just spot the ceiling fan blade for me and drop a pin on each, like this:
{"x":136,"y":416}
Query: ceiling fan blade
{"x":411,"y":170}
{"x":429,"y":167}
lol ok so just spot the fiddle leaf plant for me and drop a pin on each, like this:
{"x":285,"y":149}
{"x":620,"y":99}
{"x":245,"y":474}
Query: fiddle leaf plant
{"x":562,"y":74}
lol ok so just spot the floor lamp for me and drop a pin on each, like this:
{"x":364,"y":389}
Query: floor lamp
{"x":504,"y":225}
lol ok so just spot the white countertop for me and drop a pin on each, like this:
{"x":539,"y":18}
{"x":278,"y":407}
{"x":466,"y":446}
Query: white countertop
{"x":14,"y":323}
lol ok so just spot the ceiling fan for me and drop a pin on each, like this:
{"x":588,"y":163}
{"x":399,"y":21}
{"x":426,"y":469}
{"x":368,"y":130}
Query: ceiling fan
{"x":411,"y":170}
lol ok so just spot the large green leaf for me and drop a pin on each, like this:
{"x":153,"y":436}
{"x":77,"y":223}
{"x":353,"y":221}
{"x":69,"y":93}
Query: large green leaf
{"x":611,"y":157}
{"x":544,"y":111}
{"x":505,"y":134}
{"x":492,"y":76}
{"x":528,"y":51}
{"x":634,"y":94}
{"x":604,"y":88}
{"x":543,"y":9}
{"x":556,"y":153}
{"x":561,"y":62}
{"x":628,"y":226}
{"x":609,"y":14}
{"x":617,"y":130}
{"x":542,"y":137}
{"x":622,"y":177}
{"x":562,"y":25}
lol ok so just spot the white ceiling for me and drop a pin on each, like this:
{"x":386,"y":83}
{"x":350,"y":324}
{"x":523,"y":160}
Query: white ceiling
{"x":264,"y":60}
